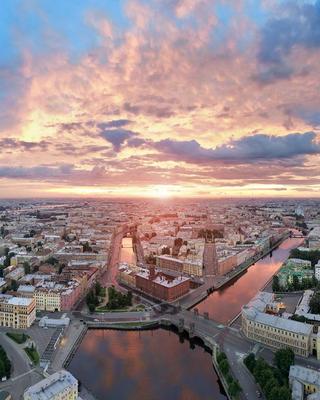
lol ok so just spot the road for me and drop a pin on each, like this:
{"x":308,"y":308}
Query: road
{"x":23,"y":374}
{"x":109,"y":277}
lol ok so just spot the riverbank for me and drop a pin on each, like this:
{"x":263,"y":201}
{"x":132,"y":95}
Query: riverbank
{"x":134,"y":364}
{"x":200,"y":294}
{"x":247,"y":264}
{"x":225,"y":303}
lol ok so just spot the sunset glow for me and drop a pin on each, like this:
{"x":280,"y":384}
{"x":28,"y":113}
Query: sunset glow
{"x":159,"y":99}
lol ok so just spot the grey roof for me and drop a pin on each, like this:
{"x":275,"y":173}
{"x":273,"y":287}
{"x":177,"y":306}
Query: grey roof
{"x":305,"y":375}
{"x":51,"y":386}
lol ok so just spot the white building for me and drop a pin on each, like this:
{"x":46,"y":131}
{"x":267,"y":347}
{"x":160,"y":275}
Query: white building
{"x":60,"y":386}
{"x":317,"y":271}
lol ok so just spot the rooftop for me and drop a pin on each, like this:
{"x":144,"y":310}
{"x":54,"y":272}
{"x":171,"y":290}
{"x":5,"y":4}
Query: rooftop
{"x":48,"y":388}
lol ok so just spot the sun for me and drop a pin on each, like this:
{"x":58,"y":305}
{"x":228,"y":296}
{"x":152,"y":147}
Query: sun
{"x":162,"y":192}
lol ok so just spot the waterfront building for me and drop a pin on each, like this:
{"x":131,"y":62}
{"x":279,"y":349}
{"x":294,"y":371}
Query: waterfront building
{"x":162,"y":286}
{"x":304,"y":383}
{"x":186,"y":266}
{"x":294,"y":267}
{"x":314,"y":238}
{"x":276,"y":331}
{"x":17,"y":312}
{"x":59,"y":386}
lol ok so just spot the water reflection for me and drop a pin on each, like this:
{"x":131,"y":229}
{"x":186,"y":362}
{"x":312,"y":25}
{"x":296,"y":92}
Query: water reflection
{"x":145,"y":365}
{"x":225,"y":303}
{"x":127,"y":254}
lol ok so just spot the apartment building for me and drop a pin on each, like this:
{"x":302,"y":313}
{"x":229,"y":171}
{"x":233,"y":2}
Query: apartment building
{"x":60,"y":386}
{"x":47,"y":299}
{"x":304,"y":382}
{"x":17,"y":312}
{"x":162,"y":286}
{"x":275,"y":331}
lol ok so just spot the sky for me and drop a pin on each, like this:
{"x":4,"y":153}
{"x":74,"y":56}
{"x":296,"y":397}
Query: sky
{"x":159,"y":98}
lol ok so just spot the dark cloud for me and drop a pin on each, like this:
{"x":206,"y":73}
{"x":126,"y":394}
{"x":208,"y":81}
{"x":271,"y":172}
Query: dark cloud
{"x":295,"y":25}
{"x":117,"y":137}
{"x":259,"y":147}
{"x":21,"y":145}
{"x":117,"y":123}
{"x":310,"y":115}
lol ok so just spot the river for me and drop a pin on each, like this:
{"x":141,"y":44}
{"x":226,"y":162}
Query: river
{"x":156,"y":365}
{"x":146,"y":365}
{"x":127,"y":253}
{"x":225,"y":303}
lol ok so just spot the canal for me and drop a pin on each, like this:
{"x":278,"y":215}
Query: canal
{"x":225,"y":303}
{"x":145,"y":365}
{"x":127,"y":254}
{"x":158,"y":364}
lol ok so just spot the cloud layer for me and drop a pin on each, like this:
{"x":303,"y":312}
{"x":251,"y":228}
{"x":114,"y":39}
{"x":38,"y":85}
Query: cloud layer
{"x":206,"y":97}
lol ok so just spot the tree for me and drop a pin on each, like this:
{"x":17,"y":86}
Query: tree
{"x":14,"y":285}
{"x":165,"y":250}
{"x":283,"y":359}
{"x":315,"y":303}
{"x":221,"y":356}
{"x":250,"y":362}
{"x":52,"y":260}
{"x":87,"y":248}
{"x":224,"y":366}
{"x":280,"y":393}
{"x":295,"y":282}
{"x":272,"y":383}
{"x":275,"y":284}
{"x":97,"y":288}
{"x":27,"y":268}
{"x":234,"y":388}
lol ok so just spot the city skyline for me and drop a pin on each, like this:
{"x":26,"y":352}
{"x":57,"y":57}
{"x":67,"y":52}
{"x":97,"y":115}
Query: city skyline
{"x":172,"y":98}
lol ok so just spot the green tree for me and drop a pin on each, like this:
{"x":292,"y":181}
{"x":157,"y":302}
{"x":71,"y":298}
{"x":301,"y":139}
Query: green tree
{"x":275,"y":284}
{"x":97,"y":288}
{"x":27,"y":268}
{"x":295,"y":282}
{"x":234,"y":388}
{"x":224,"y":366}
{"x":250,"y":362}
{"x":283,"y":359}
{"x":14,"y":285}
{"x":280,"y":393}
{"x":315,"y":303}
{"x":87,"y":248}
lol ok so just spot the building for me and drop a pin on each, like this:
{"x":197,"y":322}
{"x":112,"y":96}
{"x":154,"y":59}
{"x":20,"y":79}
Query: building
{"x":304,"y":383}
{"x":60,"y":386}
{"x":210,"y":258}
{"x":317,"y":271}
{"x":47,"y":299}
{"x":170,"y":263}
{"x":17,"y":312}
{"x":275,"y":331}
{"x":294,"y":267}
{"x":314,"y":238}
{"x":162,"y":286}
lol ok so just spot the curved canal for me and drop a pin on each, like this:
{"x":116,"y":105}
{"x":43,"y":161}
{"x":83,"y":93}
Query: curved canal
{"x":225,"y":303}
{"x":158,"y":364}
{"x":145,"y":365}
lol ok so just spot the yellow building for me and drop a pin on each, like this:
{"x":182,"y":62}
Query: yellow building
{"x":47,"y":299}
{"x":192,"y":268}
{"x":304,"y":382}
{"x":17,"y":312}
{"x":275,"y":331}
